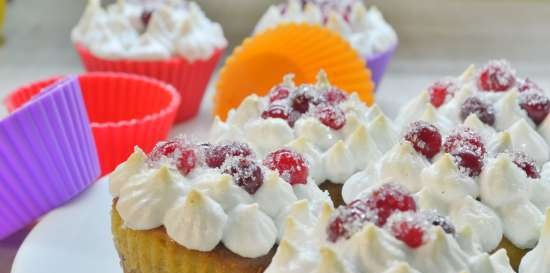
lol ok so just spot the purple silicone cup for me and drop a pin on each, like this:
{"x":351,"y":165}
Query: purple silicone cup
{"x":47,"y":155}
{"x":378,"y":64}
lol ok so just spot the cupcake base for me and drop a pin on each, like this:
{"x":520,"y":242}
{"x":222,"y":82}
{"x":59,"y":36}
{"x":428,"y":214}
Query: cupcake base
{"x":515,"y":254}
{"x":335,"y":191}
{"x":152,"y":251}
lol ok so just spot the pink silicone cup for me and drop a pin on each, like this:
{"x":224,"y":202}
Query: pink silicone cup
{"x":125,"y":110}
{"x":47,"y":155}
{"x":189,"y":78}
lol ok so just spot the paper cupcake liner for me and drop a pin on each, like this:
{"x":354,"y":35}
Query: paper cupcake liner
{"x":47,"y":155}
{"x":262,"y":60}
{"x":125,"y":110}
{"x":152,"y":251}
{"x":378,"y":64}
{"x":189,"y":79}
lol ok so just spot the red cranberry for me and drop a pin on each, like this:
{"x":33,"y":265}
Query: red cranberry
{"x":387,"y":200}
{"x":291,"y":165}
{"x":468,"y":161}
{"x":347,"y":220}
{"x":331,"y":116}
{"x":526,"y":163}
{"x":440,"y":91}
{"x":245,"y":172}
{"x":536,"y":104}
{"x":334,"y":96}
{"x":276,"y":111}
{"x":436,"y":219}
{"x":528,"y":85}
{"x":279,"y":93}
{"x":146,"y":17}
{"x":409,"y":230}
{"x":186,"y":161}
{"x":424,"y":137}
{"x":166,"y":148}
{"x":303,"y":97}
{"x":496,"y":76}
{"x":476,"y":106}
{"x":464,"y":138}
{"x":216,"y":155}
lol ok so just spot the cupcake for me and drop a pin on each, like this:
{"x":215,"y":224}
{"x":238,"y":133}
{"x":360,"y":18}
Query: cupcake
{"x":173,"y":41}
{"x":331,"y":128}
{"x":365,"y":29}
{"x":200,"y":207}
{"x":471,"y":149}
{"x":382,"y":232}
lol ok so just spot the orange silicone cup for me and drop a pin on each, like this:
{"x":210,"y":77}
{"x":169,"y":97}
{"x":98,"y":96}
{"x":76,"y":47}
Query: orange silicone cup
{"x":302,"y":49}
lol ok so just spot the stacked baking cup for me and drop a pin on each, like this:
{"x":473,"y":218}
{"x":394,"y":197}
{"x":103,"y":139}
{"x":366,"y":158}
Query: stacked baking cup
{"x":47,"y":154}
{"x":125,"y":110}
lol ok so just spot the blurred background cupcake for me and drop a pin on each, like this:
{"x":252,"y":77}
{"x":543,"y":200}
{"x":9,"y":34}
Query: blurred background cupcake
{"x":364,"y":28}
{"x":171,"y":40}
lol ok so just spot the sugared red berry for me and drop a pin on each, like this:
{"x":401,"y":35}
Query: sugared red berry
{"x":146,"y":17}
{"x":331,"y":116}
{"x":245,"y":172}
{"x":496,"y":76}
{"x":528,"y":85}
{"x":291,"y":165}
{"x":441,"y":90}
{"x":301,"y":100}
{"x":526,"y":163}
{"x":276,"y":111}
{"x":278,"y":93}
{"x":388,"y":199}
{"x":408,"y":229}
{"x":347,"y":220}
{"x":215,"y":156}
{"x":476,"y":106}
{"x":187,"y":160}
{"x":334,"y":96}
{"x":167,"y":149}
{"x":437,"y":219}
{"x":464,"y":138}
{"x":424,"y":137}
{"x":468,"y":161}
{"x":536,"y":104}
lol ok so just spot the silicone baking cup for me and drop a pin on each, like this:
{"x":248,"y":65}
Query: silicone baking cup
{"x":189,"y":78}
{"x":125,"y":110}
{"x":302,"y":49}
{"x":47,"y":155}
{"x":378,"y":64}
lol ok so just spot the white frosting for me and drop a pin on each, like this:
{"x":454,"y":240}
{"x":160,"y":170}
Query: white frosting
{"x":366,"y":30}
{"x":403,"y":165}
{"x":538,"y":259}
{"x":305,"y":249}
{"x":173,"y":30}
{"x":205,"y":207}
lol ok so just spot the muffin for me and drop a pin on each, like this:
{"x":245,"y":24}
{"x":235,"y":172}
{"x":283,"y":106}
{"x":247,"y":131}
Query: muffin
{"x":365,"y":29}
{"x":324,"y":123}
{"x":473,"y":155}
{"x":199,"y":207}
{"x":172,"y":41}
{"x":382,"y":232}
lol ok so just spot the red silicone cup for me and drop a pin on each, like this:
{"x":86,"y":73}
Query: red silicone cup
{"x":189,"y":78}
{"x":125,"y":110}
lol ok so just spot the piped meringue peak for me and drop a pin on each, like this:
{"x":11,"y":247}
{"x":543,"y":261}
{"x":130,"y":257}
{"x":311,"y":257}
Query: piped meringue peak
{"x":128,"y":30}
{"x":206,"y":194}
{"x":538,"y":259}
{"x":365,"y":29}
{"x":382,"y":232}
{"x":335,"y":131}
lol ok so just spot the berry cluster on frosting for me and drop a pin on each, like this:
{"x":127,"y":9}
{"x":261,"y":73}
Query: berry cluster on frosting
{"x":290,"y":103}
{"x":391,"y":207}
{"x":496,"y":76}
{"x":234,"y":158}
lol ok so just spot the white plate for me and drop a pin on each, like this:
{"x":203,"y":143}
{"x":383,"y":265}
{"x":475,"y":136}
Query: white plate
{"x":75,"y":238}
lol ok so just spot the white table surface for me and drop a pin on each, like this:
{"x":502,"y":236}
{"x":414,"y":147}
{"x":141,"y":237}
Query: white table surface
{"x":38,"y":45}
